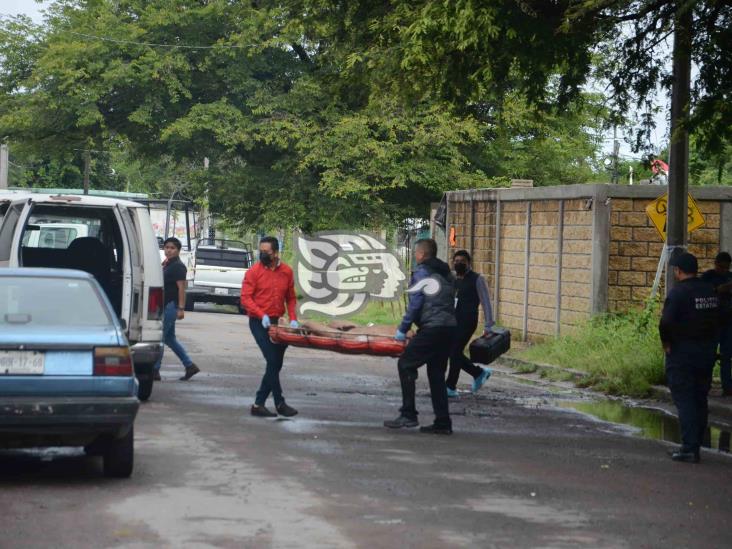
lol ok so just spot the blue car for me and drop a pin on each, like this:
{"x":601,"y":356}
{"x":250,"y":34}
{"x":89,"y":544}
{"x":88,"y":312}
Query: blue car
{"x":66,"y":375}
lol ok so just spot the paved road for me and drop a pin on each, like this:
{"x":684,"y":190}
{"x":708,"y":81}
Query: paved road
{"x":515,"y":474}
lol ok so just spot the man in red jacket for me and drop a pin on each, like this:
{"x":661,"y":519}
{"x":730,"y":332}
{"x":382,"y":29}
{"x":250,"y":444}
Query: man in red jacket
{"x":267,"y":286}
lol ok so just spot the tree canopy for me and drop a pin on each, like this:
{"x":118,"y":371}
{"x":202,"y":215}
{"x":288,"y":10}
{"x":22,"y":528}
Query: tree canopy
{"x":320,"y":114}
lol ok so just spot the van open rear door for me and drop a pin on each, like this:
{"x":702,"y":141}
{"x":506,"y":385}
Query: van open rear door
{"x":132,"y":302}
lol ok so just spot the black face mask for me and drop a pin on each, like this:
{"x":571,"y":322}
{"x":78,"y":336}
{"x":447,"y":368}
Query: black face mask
{"x":265,"y":258}
{"x":461,"y":268}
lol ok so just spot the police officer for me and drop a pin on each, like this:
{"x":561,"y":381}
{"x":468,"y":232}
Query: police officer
{"x":431,"y":308}
{"x":688,"y":330}
{"x":721,"y":278}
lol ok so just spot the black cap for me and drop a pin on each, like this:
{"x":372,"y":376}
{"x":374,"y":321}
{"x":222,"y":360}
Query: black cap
{"x":686,"y":262}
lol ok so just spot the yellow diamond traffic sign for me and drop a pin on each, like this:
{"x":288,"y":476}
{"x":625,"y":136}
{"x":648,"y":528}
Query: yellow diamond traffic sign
{"x":657,"y":209}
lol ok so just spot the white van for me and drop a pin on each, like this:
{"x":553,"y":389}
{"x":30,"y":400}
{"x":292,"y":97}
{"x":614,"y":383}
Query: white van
{"x":110,"y":238}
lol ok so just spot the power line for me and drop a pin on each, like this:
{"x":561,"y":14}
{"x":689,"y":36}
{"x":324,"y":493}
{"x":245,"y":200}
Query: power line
{"x":157,"y":45}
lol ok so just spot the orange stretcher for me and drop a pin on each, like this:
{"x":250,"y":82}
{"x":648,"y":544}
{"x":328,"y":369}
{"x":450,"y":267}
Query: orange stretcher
{"x":339,"y":342}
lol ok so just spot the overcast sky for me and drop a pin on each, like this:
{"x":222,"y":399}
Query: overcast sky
{"x":28,"y":7}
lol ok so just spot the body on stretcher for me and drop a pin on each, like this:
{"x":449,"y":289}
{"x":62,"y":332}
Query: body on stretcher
{"x":340,"y":337}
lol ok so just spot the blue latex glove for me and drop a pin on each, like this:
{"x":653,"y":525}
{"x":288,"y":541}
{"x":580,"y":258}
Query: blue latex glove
{"x":266,"y":322}
{"x":294,"y":324}
{"x":400,"y":336}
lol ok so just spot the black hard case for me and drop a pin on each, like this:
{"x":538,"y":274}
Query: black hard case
{"x":488,"y":348}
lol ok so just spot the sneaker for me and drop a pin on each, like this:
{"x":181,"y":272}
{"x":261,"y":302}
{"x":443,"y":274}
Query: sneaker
{"x":261,"y":411}
{"x":479,"y":381}
{"x":436,"y":429}
{"x":191,"y":371}
{"x":400,"y":422}
{"x":156,"y":376}
{"x":452,"y":393}
{"x":686,"y":457}
{"x":682,"y":455}
{"x":285,"y":410}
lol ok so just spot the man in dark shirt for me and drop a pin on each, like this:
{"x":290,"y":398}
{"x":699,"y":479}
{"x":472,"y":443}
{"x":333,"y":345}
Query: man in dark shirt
{"x":431,"y":307}
{"x":721,"y":278}
{"x":688,"y":331}
{"x":174,"y":280}
{"x":472,"y":292}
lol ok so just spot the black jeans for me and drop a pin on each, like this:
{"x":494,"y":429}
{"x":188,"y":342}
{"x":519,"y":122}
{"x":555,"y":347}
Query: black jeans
{"x":466,"y":326}
{"x":431,"y":346}
{"x":273,"y":354}
{"x":689,"y":376}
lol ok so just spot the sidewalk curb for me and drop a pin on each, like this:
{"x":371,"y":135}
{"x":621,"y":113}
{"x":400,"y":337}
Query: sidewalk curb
{"x":717,"y":406}
{"x":520,"y":364}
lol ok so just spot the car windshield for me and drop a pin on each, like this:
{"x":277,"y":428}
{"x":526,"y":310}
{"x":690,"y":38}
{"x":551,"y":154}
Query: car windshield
{"x":41,"y":301}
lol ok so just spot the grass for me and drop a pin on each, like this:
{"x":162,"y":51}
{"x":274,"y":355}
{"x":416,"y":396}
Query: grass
{"x":375,"y":312}
{"x":620,"y":353}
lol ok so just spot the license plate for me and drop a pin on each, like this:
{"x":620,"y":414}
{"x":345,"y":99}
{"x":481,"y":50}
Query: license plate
{"x":221,"y":291}
{"x":22,"y":362}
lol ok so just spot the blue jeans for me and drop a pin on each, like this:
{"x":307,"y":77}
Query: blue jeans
{"x":170,"y":315}
{"x":273,"y":354}
{"x":725,"y":360}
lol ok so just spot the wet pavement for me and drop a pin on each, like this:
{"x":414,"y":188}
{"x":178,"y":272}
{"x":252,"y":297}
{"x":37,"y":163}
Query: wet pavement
{"x":522,"y":470}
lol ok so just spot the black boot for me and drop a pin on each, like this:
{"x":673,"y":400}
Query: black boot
{"x":436,"y":429}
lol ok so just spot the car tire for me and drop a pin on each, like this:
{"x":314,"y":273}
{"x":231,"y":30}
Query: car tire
{"x":190,"y":303}
{"x":119,"y":455}
{"x":145,"y":388}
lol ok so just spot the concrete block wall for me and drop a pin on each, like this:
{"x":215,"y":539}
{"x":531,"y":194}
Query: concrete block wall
{"x":554,"y":256}
{"x":543,"y":252}
{"x":635,"y":249}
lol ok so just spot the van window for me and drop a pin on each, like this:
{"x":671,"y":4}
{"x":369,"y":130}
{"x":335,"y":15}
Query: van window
{"x":10,"y":220}
{"x":50,"y":237}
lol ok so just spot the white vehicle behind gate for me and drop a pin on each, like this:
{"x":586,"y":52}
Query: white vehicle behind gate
{"x":109,"y":238}
{"x":219,"y":267}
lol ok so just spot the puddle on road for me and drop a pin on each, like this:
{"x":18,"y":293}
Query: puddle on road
{"x":651,"y":423}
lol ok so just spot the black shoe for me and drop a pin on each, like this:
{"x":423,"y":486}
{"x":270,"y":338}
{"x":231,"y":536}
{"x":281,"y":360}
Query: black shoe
{"x":156,"y":376}
{"x":191,"y":371}
{"x":261,"y":411}
{"x":435,"y":429}
{"x":686,"y":457}
{"x":285,"y":410}
{"x":400,"y":422}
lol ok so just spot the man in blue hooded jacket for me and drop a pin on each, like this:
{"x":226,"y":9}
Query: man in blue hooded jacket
{"x":431,"y":308}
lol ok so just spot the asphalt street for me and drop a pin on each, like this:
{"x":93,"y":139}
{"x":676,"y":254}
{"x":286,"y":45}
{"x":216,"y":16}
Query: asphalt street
{"x":518,"y":472}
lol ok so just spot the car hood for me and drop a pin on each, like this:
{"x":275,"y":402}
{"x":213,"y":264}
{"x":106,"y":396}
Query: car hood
{"x":62,"y":336}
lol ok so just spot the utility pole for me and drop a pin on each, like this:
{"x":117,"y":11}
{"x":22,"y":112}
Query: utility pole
{"x":209,"y":217}
{"x":4,"y":162}
{"x":678,"y":181}
{"x":616,"y":153}
{"x":87,"y":161}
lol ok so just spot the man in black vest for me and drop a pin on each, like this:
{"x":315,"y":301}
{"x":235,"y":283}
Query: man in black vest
{"x":431,"y":301}
{"x":472,"y":291}
{"x":688,"y":331}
